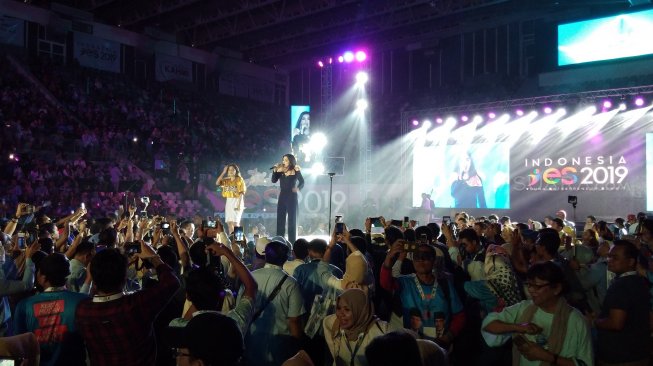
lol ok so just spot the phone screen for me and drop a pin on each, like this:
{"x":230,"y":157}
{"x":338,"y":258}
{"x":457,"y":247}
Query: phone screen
{"x":239,"y":233}
{"x":21,"y":241}
{"x":446,"y":220}
{"x":377,"y":226}
{"x":340,"y":227}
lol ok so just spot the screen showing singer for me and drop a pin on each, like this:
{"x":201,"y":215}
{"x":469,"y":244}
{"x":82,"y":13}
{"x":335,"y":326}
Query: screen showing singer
{"x":300,"y":132}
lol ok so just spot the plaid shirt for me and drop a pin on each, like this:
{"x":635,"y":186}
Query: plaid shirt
{"x":120,"y":332}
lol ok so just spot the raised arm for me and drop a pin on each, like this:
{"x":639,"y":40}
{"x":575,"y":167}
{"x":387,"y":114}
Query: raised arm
{"x":244,"y":275}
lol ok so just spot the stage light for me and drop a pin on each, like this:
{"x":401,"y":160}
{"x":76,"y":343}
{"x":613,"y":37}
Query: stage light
{"x":415,"y":122}
{"x":341,"y":59}
{"x":607,"y":104}
{"x":439,"y":120}
{"x":318,"y":142}
{"x":426,"y":124}
{"x":135,"y":139}
{"x":492,"y":115}
{"x":362,"y":77}
{"x":639,"y":101}
{"x":320,"y":64}
{"x":330,"y":60}
{"x":519,"y":112}
{"x":11,"y":156}
{"x":477,"y":119}
{"x":464,"y":118}
{"x":361,"y":56}
{"x":349,"y":56}
{"x":623,"y":107}
{"x":548,"y":110}
{"x":317,"y":168}
{"x":361,"y":105}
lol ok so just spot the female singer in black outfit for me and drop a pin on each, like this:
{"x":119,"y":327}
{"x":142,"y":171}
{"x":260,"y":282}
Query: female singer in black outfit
{"x":291,"y":182}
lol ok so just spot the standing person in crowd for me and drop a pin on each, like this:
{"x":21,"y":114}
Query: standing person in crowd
{"x":289,"y":174}
{"x":426,"y":291}
{"x":350,"y":330}
{"x":544,"y":330}
{"x":624,"y":326}
{"x":233,"y":189}
{"x":117,"y":327}
{"x":275,"y":330}
{"x":50,"y":315}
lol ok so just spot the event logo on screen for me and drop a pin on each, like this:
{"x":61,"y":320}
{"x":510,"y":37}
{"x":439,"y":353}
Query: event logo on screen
{"x":587,"y":173}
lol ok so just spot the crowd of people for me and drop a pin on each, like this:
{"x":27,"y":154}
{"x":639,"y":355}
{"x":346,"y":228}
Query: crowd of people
{"x":101,"y":132}
{"x":474,"y":291}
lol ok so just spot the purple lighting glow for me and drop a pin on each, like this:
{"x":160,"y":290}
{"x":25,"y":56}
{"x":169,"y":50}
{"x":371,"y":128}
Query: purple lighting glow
{"x":349,"y":56}
{"x":320,"y":64}
{"x":519,"y":112}
{"x":439,"y":120}
{"x":548,"y":110}
{"x":607,"y":104}
{"x":639,"y":101}
{"x":341,"y":59}
{"x":361,"y":56}
{"x":492,"y":115}
{"x":464,"y":118}
{"x":415,"y":122}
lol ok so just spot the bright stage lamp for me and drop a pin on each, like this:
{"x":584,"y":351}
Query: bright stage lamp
{"x":362,"y":77}
{"x":426,"y":124}
{"x":317,"y":168}
{"x":361,"y":56}
{"x":361,"y":105}
{"x":349,"y":56}
{"x":318,"y":142}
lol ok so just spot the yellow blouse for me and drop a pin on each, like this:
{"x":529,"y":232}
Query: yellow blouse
{"x":233,"y":188}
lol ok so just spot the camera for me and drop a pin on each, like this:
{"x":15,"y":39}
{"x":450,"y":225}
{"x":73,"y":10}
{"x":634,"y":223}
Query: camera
{"x":132,"y":248}
{"x":410,"y":247}
{"x":145,"y":200}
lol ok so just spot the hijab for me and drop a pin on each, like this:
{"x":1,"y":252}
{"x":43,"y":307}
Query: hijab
{"x":362,"y":313}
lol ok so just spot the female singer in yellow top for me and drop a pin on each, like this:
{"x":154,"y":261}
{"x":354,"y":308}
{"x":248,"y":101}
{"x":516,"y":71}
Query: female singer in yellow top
{"x":233,"y":189}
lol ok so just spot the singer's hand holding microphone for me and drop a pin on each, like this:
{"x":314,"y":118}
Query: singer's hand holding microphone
{"x":277,"y":167}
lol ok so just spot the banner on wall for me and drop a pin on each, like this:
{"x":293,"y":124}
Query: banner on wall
{"x":12,"y":31}
{"x":173,"y":68}
{"x":97,"y":53}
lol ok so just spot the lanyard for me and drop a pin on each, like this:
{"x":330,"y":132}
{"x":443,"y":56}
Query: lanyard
{"x":52,"y":289}
{"x":356,"y":348}
{"x":426,"y":299}
{"x":108,"y":298}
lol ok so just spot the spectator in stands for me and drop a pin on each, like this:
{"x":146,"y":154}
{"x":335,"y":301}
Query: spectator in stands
{"x":51,"y":315}
{"x":276,"y":327}
{"x":117,"y":328}
{"x":624,"y":325}
{"x":545,"y":328}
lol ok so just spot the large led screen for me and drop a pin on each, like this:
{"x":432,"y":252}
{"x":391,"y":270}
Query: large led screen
{"x":624,"y":35}
{"x":463,"y":176}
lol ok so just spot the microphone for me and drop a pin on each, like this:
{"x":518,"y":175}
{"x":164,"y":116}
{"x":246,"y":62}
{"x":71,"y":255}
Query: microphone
{"x":273,"y":167}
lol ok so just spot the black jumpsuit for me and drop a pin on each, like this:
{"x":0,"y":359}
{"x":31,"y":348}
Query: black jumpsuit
{"x":288,"y":203}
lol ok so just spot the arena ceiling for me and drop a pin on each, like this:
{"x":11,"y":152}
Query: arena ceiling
{"x":286,"y":32}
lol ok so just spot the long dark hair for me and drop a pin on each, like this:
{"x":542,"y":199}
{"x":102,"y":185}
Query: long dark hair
{"x":292,"y":161}
{"x":472,"y":168}
{"x":235,"y":167}
{"x":298,"y":125}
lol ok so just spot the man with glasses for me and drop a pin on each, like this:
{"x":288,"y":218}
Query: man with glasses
{"x":425,"y":292}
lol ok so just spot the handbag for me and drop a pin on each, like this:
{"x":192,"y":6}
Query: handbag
{"x":323,"y":305}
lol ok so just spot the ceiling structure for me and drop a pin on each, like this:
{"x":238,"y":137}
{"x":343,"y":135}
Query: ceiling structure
{"x":287,"y":32}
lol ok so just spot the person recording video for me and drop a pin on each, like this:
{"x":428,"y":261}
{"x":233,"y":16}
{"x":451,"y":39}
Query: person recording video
{"x":289,"y":174}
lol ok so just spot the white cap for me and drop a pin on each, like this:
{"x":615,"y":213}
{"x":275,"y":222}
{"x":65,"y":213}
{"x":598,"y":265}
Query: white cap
{"x":261,"y":243}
